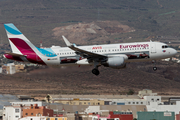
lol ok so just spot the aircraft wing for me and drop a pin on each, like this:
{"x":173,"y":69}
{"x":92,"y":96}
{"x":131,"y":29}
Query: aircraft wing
{"x":82,"y":52}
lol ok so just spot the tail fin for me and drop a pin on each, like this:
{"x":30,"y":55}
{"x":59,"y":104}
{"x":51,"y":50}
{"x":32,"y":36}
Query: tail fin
{"x":19,"y":43}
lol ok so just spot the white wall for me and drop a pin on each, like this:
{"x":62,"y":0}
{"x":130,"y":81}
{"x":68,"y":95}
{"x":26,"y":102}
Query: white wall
{"x":153,"y":99}
{"x":28,"y":103}
{"x":91,"y":109}
{"x":140,"y":102}
{"x":10,"y":113}
{"x":129,"y":102}
{"x":12,"y":68}
{"x":33,"y":118}
{"x":155,"y":107}
{"x":0,"y":69}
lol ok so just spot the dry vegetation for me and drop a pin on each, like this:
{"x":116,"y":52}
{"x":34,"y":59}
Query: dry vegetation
{"x":80,"y":80}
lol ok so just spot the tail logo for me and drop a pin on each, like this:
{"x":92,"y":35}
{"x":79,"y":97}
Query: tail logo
{"x":12,"y":29}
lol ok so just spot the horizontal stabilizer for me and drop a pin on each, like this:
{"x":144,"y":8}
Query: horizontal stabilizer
{"x":16,"y":55}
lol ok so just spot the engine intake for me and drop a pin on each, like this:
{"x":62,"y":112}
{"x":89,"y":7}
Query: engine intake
{"x":116,"y":62}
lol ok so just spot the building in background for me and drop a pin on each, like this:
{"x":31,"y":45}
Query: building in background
{"x":35,"y":110}
{"x":15,"y":110}
{"x":155,"y":115}
{"x":11,"y":68}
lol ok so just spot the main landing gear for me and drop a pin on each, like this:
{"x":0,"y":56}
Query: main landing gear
{"x":154,"y":62}
{"x":95,"y":71}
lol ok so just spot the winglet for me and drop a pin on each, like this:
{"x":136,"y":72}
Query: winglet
{"x":67,"y":42}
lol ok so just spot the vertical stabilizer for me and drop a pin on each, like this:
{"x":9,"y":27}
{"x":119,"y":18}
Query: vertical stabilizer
{"x":19,"y":43}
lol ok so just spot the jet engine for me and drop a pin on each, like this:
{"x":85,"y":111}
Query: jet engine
{"x":116,"y":62}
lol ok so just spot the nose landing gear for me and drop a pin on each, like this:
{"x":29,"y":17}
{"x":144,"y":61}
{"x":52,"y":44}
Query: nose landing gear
{"x":154,"y":68}
{"x":154,"y":62}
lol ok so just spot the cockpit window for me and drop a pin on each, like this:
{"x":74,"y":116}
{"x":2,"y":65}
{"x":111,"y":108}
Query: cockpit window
{"x":164,"y":46}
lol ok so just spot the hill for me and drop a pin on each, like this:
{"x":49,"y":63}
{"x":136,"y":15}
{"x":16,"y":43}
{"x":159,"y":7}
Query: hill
{"x":92,"y":22}
{"x":37,"y":19}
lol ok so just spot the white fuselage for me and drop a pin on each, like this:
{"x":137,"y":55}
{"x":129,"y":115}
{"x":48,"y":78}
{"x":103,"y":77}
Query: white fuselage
{"x":139,"y":51}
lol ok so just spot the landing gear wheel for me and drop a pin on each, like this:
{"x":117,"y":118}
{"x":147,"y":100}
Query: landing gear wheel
{"x":95,"y":71}
{"x":154,"y":68}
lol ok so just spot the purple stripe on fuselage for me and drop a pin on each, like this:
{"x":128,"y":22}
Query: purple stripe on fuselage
{"x":25,"y":49}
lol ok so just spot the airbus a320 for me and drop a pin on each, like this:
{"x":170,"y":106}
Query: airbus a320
{"x":109,"y":55}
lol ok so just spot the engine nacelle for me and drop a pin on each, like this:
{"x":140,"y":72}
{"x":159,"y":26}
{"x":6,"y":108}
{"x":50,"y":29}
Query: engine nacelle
{"x":116,"y":62}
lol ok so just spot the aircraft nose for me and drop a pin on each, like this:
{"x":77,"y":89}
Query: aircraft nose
{"x":174,"y":52}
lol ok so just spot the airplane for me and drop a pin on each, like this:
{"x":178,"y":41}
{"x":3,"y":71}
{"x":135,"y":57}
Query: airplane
{"x":108,"y":55}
